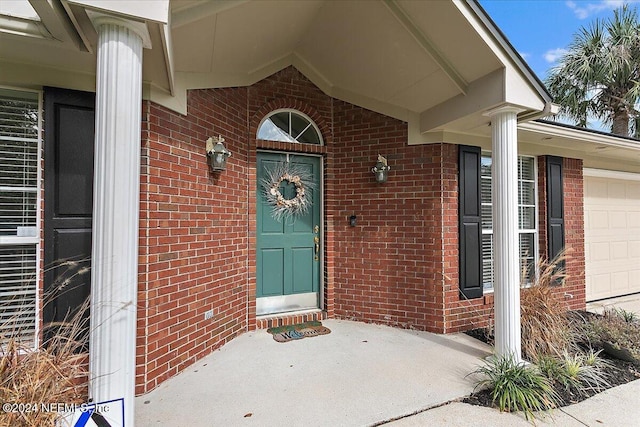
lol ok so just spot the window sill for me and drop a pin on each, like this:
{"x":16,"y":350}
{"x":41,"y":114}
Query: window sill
{"x":15,"y":240}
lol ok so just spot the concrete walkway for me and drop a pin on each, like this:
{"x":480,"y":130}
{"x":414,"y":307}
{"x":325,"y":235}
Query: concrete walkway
{"x":630,"y":303}
{"x":616,"y":407}
{"x":358,"y":375}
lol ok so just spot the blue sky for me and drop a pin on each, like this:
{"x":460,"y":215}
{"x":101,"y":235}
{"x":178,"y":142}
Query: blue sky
{"x":540,"y":29}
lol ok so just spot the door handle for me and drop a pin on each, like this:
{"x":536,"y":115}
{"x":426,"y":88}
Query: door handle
{"x":316,"y":241}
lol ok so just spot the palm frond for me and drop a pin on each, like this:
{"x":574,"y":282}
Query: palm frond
{"x":599,"y":75}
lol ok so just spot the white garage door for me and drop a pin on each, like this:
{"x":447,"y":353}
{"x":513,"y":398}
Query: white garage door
{"x":612,"y":233}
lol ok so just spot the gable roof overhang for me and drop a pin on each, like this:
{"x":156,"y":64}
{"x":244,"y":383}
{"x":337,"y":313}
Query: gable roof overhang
{"x":57,"y":46}
{"x":598,"y":150}
{"x":436,"y":65}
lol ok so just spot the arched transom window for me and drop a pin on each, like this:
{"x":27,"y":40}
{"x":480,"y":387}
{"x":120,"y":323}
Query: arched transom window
{"x":289,"y":126}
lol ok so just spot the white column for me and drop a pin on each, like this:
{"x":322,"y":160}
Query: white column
{"x":505,"y":231}
{"x":114,"y":285}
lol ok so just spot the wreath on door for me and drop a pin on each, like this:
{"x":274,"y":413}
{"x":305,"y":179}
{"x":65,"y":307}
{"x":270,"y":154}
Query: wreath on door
{"x":299,"y":176}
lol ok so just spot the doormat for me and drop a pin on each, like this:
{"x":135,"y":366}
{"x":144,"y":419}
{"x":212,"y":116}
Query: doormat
{"x":299,"y":331}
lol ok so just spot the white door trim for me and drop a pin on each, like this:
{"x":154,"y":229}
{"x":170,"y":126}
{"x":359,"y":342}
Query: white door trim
{"x":322,"y":219}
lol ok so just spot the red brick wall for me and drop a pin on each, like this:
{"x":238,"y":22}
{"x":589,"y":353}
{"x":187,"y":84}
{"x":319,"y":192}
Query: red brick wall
{"x":398,"y":266}
{"x":462,"y":315}
{"x":387,"y":269}
{"x":291,"y":90}
{"x":573,"y":291}
{"x":459,"y":314}
{"x":574,"y":234}
{"x":193,"y":234}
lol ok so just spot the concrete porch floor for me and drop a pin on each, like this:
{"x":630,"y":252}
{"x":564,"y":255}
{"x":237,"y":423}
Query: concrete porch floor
{"x":359,"y":374}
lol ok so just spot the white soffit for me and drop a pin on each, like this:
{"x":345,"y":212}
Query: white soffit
{"x":513,"y":84}
{"x":20,"y":18}
{"x":500,"y":45}
{"x":146,"y":10}
{"x":407,"y":59}
{"x":152,"y":16}
{"x":449,"y":31}
{"x":195,"y":60}
{"x":547,"y":131}
{"x":19,"y":9}
{"x":597,"y":149}
{"x":254,"y":34}
{"x":37,"y":19}
{"x":366,"y":51}
{"x":408,"y":55}
{"x":58,"y":49}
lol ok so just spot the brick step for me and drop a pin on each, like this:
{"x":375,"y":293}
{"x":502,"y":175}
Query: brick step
{"x":285,"y":319}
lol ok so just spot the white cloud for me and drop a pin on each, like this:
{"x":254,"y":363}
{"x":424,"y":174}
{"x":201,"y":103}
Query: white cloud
{"x":583,"y":10}
{"x":553,"y":55}
{"x":525,"y":55}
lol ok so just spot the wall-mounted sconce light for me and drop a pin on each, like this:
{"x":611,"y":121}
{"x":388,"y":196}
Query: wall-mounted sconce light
{"x":381,"y":169}
{"x":353,"y":220}
{"x":217,"y":153}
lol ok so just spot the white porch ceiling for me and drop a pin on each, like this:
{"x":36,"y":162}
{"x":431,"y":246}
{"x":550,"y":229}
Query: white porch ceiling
{"x":411,"y":55}
{"x":425,"y":62}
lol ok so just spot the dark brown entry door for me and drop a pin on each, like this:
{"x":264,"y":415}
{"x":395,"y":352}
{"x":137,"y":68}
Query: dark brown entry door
{"x":68,"y":200}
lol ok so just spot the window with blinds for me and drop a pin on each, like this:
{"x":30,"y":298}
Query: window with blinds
{"x":527,"y":220}
{"x":19,"y":144}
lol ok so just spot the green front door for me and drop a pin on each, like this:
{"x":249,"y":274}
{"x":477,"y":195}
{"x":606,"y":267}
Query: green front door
{"x":289,"y":246}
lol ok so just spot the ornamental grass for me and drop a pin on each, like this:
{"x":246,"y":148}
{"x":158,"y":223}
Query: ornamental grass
{"x":32,"y":379}
{"x":515,"y":386}
{"x":545,"y":326}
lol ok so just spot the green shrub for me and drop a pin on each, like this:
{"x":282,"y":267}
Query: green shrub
{"x":592,"y":358}
{"x":627,"y":316}
{"x":515,"y":386}
{"x":576,"y":372}
{"x":583,"y":372}
{"x":551,"y":367}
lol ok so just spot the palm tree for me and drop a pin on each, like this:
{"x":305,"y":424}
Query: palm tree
{"x":599,"y":76}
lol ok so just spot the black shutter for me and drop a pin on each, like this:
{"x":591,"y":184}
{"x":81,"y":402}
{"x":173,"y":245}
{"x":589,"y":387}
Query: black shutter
{"x":69,"y":123}
{"x":555,"y":207}
{"x":470,"y":222}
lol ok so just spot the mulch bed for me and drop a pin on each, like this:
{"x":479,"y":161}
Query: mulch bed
{"x":619,"y":372}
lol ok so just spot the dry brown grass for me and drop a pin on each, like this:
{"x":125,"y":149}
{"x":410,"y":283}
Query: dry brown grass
{"x":54,"y":373}
{"x":545,"y":326}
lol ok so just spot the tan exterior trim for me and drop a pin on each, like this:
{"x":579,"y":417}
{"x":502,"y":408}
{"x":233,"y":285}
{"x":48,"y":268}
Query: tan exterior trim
{"x":611,"y":174}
